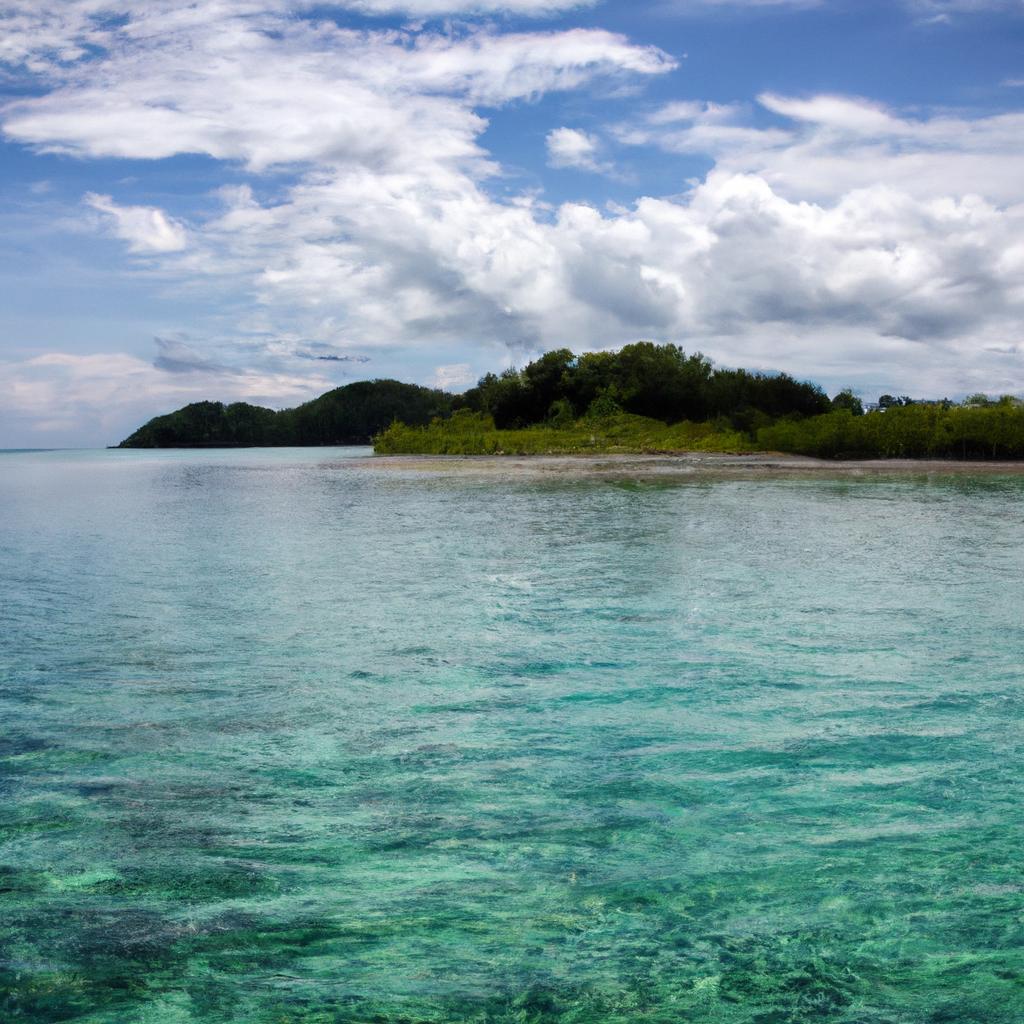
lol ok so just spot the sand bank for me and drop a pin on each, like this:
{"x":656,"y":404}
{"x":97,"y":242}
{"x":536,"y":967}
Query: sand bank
{"x":675,"y":466}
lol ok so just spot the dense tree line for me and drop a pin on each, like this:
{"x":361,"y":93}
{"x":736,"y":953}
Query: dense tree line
{"x":657,"y":381}
{"x":660,"y":382}
{"x":643,"y":397}
{"x":348,"y":415}
{"x":919,"y":430}
{"x":978,"y":429}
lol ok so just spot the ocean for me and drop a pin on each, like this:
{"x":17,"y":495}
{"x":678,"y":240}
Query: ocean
{"x":287,"y":737}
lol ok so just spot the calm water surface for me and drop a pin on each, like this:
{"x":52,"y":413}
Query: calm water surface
{"x":285,"y":742}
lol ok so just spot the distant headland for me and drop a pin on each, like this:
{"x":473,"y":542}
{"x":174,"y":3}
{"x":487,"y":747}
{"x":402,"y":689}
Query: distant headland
{"x":644,"y":398}
{"x":352,"y":414}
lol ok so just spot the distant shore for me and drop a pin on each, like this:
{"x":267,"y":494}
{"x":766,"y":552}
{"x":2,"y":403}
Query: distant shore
{"x":678,"y":466}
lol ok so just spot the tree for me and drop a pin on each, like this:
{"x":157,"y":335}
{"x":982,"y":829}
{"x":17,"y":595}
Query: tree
{"x":560,"y":415}
{"x":605,"y":405}
{"x":977,"y":401}
{"x":891,"y":402}
{"x":846,"y":399}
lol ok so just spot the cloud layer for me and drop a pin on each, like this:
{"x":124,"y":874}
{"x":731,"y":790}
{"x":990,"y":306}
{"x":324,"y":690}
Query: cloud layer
{"x":834,"y":236}
{"x":77,"y":398}
{"x":144,"y":228}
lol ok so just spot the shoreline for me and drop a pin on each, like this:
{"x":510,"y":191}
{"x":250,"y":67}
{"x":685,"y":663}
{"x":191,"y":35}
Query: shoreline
{"x":684,"y":465}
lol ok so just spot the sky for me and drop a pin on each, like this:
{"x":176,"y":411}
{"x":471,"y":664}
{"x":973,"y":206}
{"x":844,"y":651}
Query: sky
{"x":259,"y":200}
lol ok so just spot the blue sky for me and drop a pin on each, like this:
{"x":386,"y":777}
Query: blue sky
{"x":261,"y":199}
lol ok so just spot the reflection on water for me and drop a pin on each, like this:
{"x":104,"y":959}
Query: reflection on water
{"x":289,"y":741}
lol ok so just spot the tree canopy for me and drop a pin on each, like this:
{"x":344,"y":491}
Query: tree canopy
{"x":661,"y":382}
{"x":642,"y":397}
{"x":352,"y":414}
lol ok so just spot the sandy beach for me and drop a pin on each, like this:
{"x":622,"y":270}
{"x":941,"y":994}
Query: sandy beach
{"x":676,"y":466}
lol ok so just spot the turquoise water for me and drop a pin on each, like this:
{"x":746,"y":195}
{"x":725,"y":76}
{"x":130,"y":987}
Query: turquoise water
{"x":288,"y":740}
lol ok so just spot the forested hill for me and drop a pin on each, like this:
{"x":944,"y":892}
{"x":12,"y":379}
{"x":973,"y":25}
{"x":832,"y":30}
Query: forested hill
{"x":658,"y":381}
{"x":643,"y":397}
{"x":352,"y":414}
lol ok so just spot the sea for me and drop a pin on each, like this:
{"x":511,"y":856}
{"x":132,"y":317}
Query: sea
{"x":290,"y":736}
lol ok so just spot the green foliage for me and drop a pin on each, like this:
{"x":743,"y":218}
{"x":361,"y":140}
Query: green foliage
{"x":208,"y":424}
{"x":354,"y":413}
{"x":656,"y":381}
{"x":846,"y":399}
{"x":560,"y":414}
{"x":346,"y":415}
{"x":917,"y":431}
{"x":643,"y":398}
{"x":469,"y":433}
{"x":890,"y":402}
{"x":912,"y":431}
{"x":979,"y":399}
{"x":605,"y":405}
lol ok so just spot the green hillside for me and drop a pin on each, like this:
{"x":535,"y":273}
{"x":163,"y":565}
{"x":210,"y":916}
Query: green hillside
{"x":352,"y":414}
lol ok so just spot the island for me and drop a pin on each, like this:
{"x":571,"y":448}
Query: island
{"x":349,"y":415}
{"x":645,"y":398}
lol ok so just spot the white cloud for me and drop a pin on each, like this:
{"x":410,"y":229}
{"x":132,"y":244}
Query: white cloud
{"x":877,"y":275}
{"x":826,"y":146}
{"x":933,"y":9}
{"x":423,"y":8}
{"x":940,"y":7}
{"x":146,"y":229}
{"x":51,"y":35}
{"x":102,"y":397}
{"x":690,"y":110}
{"x":278,"y":91}
{"x":38,"y":35}
{"x":711,"y":129}
{"x":835,"y":237}
{"x":458,"y":375}
{"x":856,"y":116}
{"x":494,"y":69}
{"x":569,"y":147}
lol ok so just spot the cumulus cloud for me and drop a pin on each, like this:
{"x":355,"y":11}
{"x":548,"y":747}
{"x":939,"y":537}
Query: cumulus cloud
{"x":823,"y":147}
{"x":834,"y":236}
{"x":283,"y":91}
{"x":852,"y":276}
{"x":733,"y":263}
{"x":145,"y":228}
{"x":569,"y":147}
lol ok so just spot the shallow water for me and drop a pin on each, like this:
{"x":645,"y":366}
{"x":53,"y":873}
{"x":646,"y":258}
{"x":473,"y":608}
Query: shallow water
{"x":286,"y":739}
